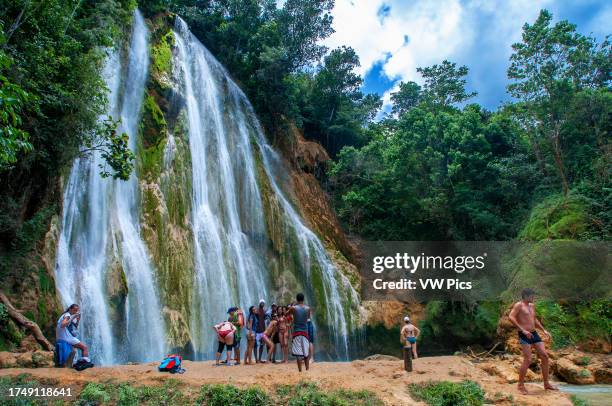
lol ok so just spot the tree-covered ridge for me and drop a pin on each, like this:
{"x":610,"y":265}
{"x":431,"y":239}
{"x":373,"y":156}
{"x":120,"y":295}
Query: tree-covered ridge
{"x":438,"y":170}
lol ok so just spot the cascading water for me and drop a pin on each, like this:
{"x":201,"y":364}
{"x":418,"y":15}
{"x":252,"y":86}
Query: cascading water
{"x":229,"y":221}
{"x":97,"y":211}
{"x":227,"y":213}
{"x":83,"y":243}
{"x":226,"y":204}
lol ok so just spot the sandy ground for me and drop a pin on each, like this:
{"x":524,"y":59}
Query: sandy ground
{"x":384,"y":377}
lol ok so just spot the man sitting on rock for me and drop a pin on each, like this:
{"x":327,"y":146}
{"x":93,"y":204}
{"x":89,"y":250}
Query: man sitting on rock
{"x":523,"y":316}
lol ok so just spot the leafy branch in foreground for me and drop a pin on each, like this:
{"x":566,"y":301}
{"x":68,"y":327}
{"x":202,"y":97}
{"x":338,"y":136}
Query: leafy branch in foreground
{"x":114,"y":149}
{"x":13,"y":139}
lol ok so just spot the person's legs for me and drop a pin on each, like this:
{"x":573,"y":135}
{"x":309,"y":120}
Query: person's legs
{"x":526,"y":350}
{"x":229,"y":342}
{"x":270,"y":346}
{"x":414,"y":351}
{"x":237,"y":351}
{"x":261,"y":348}
{"x":283,"y":344}
{"x":299,"y":363}
{"x":83,"y":348}
{"x":541,"y":351}
{"x":249,"y":350}
{"x":219,"y":351}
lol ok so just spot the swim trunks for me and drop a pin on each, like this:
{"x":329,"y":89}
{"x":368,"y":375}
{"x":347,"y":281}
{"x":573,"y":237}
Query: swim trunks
{"x":535,"y":338}
{"x":412,"y":340}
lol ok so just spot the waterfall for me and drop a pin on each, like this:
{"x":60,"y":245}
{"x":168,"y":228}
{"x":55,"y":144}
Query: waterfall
{"x":100,"y":228}
{"x":237,"y":194}
{"x":227,"y":212}
{"x":226,"y":203}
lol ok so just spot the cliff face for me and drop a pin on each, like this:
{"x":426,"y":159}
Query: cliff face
{"x":293,"y":260}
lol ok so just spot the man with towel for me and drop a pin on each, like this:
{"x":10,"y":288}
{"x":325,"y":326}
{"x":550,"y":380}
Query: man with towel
{"x":300,"y":348}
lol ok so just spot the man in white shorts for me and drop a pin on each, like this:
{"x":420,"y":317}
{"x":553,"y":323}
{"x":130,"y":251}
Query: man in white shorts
{"x":69,"y":321}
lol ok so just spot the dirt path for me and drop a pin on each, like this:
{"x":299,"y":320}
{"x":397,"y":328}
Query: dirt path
{"x":386,"y":378}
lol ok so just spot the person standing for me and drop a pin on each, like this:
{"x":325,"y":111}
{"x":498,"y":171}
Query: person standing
{"x":408,"y":336}
{"x":523,"y":316}
{"x":259,"y":330}
{"x":251,"y":325}
{"x":300,"y":348}
{"x":236,"y":317}
{"x":283,"y":333}
{"x":311,"y":340}
{"x":67,"y":332}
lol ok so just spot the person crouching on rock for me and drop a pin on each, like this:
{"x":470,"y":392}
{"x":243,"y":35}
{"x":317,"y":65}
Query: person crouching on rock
{"x":225,"y":335}
{"x":67,"y":332}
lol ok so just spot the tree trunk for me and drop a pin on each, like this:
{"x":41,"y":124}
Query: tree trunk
{"x":559,"y":160}
{"x":408,"y":359}
{"x":25,"y":322}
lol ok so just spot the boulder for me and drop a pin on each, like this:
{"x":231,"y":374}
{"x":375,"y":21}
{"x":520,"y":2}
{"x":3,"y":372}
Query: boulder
{"x":572,"y":373}
{"x":602,"y":374}
{"x":8,"y":359}
{"x":42,"y":359}
{"x":381,"y":357}
{"x":508,"y":371}
{"x":24,"y":360}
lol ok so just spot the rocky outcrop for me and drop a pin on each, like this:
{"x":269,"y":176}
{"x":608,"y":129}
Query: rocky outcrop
{"x":571,"y":373}
{"x":507,"y":368}
{"x":581,"y":368}
{"x":164,"y":165}
{"x":28,"y":359}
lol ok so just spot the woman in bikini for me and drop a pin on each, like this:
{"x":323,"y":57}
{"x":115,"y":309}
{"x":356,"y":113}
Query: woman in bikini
{"x":283,"y":333}
{"x":225,"y":335}
{"x":268,"y":334}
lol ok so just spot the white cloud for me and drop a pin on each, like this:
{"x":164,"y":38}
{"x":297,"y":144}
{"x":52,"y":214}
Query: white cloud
{"x":436,"y":30}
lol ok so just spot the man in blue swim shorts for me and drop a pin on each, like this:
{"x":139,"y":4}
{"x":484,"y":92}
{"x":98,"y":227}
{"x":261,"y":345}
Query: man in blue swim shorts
{"x":523,"y":316}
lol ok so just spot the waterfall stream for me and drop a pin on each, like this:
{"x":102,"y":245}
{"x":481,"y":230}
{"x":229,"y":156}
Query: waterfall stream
{"x":222,"y":131}
{"x":100,"y":227}
{"x":230,"y":162}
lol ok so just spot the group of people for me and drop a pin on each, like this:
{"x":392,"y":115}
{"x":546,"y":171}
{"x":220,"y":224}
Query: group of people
{"x":280,"y":325}
{"x":266,"y":329}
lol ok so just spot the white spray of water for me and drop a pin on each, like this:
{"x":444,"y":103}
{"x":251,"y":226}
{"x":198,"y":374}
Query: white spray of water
{"x":226,"y":200}
{"x":98,"y":211}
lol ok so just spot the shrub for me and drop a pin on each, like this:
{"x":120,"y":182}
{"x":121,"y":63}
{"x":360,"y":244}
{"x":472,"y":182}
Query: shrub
{"x":94,"y":394}
{"x":229,"y":395}
{"x":309,"y":394}
{"x":444,"y":393}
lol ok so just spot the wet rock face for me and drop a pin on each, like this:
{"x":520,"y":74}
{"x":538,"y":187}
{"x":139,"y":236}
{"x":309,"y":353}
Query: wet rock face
{"x":165,"y":171}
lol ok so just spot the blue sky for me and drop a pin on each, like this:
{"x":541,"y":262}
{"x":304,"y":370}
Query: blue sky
{"x":394,"y":37}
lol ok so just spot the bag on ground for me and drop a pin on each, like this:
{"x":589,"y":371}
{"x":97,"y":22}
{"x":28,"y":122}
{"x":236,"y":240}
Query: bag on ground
{"x":172,"y":364}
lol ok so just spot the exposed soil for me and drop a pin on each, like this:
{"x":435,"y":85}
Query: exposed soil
{"x":382,"y":376}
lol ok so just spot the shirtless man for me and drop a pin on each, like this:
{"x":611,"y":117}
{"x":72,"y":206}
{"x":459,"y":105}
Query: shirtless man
{"x":408,"y":336}
{"x":523,"y":316}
